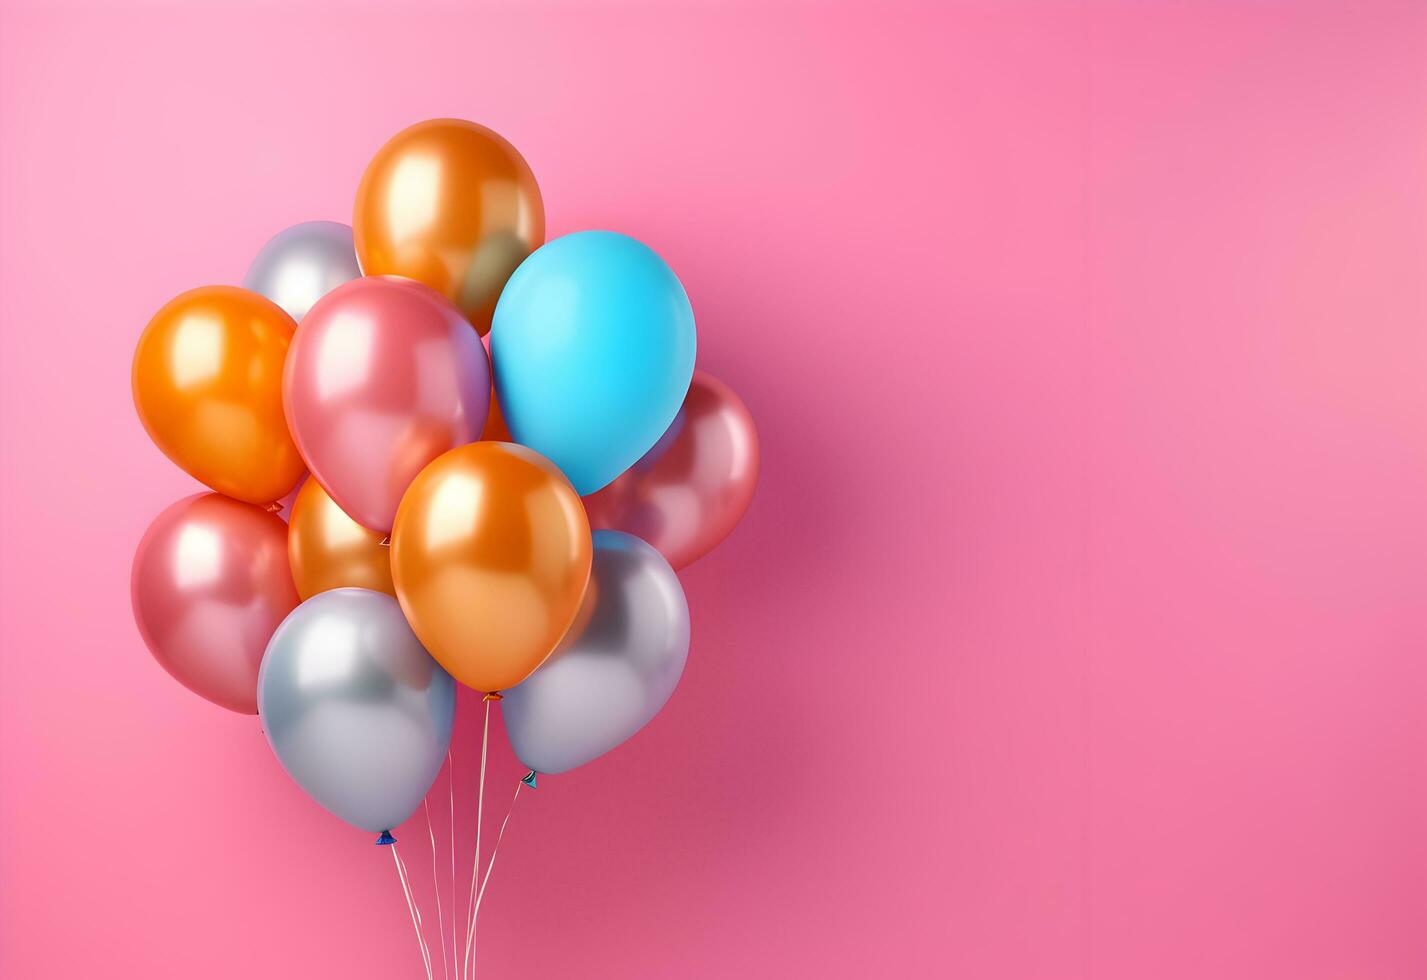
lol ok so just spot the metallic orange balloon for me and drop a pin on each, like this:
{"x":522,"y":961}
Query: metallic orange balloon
{"x":490,"y":554}
{"x":208,"y":387}
{"x":495,"y":430}
{"x":453,"y":205}
{"x":329,"y":550}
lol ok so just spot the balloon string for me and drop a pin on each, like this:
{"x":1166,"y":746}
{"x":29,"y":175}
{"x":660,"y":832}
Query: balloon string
{"x":414,"y":912}
{"x":500,"y":835}
{"x":420,"y":923}
{"x":451,"y":806}
{"x":436,"y":887}
{"x":476,"y":858}
{"x":411,"y":887}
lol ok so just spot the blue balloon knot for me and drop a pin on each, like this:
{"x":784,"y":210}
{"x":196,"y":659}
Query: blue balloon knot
{"x":385,"y":839}
{"x":529,"y":779}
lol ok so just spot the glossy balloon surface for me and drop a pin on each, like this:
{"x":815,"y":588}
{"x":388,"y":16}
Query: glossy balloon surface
{"x":328,"y":550}
{"x":384,"y":376}
{"x":490,"y":556}
{"x":354,"y":708}
{"x":688,"y":492}
{"x":613,"y":671}
{"x":496,"y":430}
{"x":301,"y":264}
{"x":593,"y":350}
{"x":207,"y":382}
{"x":453,"y":205}
{"x":210,"y":583}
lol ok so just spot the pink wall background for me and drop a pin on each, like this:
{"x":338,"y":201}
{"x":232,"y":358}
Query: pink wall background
{"x":1079,"y":628}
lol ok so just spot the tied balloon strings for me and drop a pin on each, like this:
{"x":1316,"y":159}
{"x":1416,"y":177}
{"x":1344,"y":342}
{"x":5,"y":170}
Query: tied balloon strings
{"x":476,"y":859}
{"x":436,"y":887}
{"x":500,"y":835}
{"x":415,"y":909}
{"x":412,"y":908}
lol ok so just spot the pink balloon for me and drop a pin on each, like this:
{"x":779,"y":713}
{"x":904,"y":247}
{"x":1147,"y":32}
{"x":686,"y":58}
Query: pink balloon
{"x":687,"y":493}
{"x":383,"y":375}
{"x":210,"y":584}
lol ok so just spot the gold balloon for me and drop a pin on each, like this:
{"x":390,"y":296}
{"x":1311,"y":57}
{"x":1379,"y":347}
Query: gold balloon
{"x":208,"y":387}
{"x":329,"y":550}
{"x":453,"y":205}
{"x":490,"y":554}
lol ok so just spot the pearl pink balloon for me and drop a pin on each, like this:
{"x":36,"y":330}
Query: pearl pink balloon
{"x":383,"y":375}
{"x":687,"y":493}
{"x":210,"y":584}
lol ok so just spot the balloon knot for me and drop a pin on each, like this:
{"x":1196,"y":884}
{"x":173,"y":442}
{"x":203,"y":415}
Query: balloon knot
{"x":493,"y":696}
{"x":385,"y":839}
{"x":274,"y":508}
{"x":529,"y":779}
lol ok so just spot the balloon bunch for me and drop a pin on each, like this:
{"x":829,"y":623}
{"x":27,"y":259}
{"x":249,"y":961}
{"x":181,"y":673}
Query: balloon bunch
{"x":441,"y":534}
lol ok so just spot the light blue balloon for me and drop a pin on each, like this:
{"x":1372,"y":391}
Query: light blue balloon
{"x":593,"y":347}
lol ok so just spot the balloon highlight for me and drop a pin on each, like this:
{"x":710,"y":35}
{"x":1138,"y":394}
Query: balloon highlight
{"x":687,"y":493}
{"x":593,"y":347}
{"x":301,"y":264}
{"x":207,"y":383}
{"x":328,"y":550}
{"x":490,"y":554}
{"x":383,"y":376}
{"x":357,"y":712}
{"x":209,"y":585}
{"x":451,"y":204}
{"x":611,"y":675}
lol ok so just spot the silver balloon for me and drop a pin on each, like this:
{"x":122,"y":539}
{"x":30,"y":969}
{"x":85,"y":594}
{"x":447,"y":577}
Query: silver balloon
{"x":608,"y":678}
{"x":302,"y":264}
{"x":355,"y":708}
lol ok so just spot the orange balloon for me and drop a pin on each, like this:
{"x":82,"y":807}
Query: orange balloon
{"x":208,"y":387}
{"x":329,"y":550}
{"x":495,"y":430}
{"x":490,"y":554}
{"x":453,"y":205}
